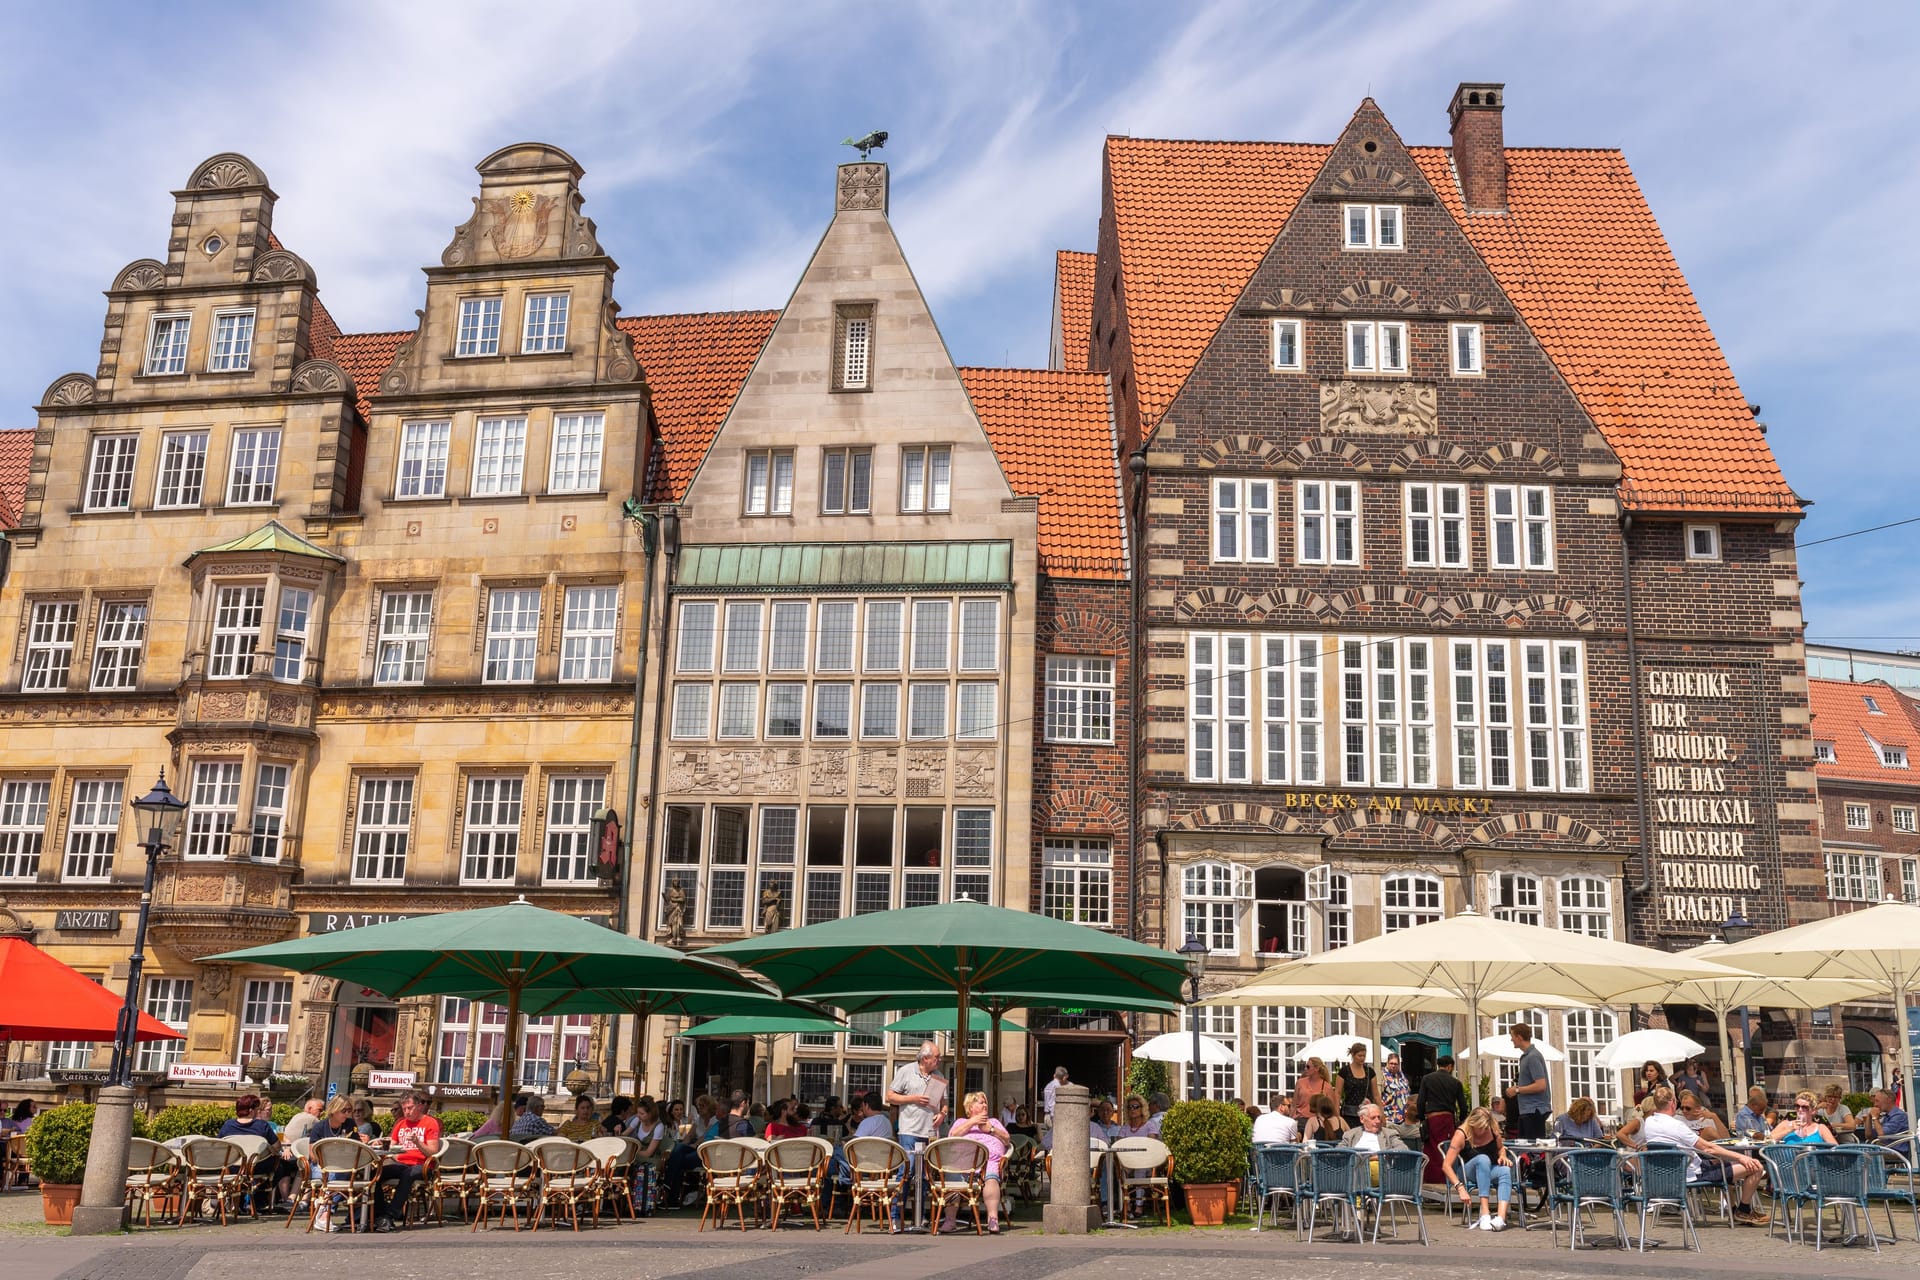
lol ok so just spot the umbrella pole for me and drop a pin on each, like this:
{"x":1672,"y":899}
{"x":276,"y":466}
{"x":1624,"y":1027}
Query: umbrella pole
{"x":1727,"y":1075}
{"x":957,"y":1090}
{"x":994,"y":1008}
{"x":1903,"y":1052}
{"x":509,"y":1062}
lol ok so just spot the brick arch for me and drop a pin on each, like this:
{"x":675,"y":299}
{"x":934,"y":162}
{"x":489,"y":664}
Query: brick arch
{"x":1539,"y":823}
{"x":1434,"y":832}
{"x":1278,"y":821}
{"x":1251,"y":450}
{"x":1435,"y":453}
{"x":1197,"y":602}
{"x":1290,"y":598}
{"x":1084,"y":630}
{"x":1527,"y":608}
{"x":1393,"y":593}
{"x":1524,"y":454}
{"x":1328,"y":452}
{"x":1080,"y":811}
{"x":1371,"y":295}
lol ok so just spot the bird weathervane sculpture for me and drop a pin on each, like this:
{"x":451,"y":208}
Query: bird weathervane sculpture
{"x":872,"y":142}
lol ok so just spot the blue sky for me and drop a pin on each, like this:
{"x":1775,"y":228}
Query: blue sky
{"x":1776,"y":142}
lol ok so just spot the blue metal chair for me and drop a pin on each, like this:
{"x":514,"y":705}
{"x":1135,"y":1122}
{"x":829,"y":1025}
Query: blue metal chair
{"x":1401,"y":1174}
{"x":1516,"y":1207}
{"x":1273,"y":1175}
{"x":1587,"y":1180}
{"x":1786,"y":1179}
{"x":1662,"y":1184}
{"x":1891,"y":1180}
{"x":1837,"y":1176}
{"x":1331,"y":1177}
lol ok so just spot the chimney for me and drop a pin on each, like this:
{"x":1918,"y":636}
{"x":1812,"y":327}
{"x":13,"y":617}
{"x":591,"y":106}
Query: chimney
{"x":1479,"y":144}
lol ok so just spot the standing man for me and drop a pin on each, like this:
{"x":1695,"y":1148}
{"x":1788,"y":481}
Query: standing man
{"x":415,"y":1139}
{"x":1052,"y":1091}
{"x":1440,"y":1105}
{"x":1531,"y":1086}
{"x":920,"y":1091}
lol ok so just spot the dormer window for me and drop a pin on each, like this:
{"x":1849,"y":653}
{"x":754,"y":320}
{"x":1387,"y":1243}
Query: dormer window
{"x":1373,"y":226}
{"x":853,"y":346}
{"x":167,"y":343}
{"x":479,"y":331}
{"x":1824,"y":753}
{"x":1893,"y":757}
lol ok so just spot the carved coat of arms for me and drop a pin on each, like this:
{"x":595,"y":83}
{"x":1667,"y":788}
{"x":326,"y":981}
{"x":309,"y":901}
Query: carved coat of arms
{"x":521,"y":223}
{"x":1378,"y":408}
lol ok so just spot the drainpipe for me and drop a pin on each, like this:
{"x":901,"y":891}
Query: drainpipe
{"x":668,"y":522}
{"x":1137,"y":464}
{"x":1633,"y":701}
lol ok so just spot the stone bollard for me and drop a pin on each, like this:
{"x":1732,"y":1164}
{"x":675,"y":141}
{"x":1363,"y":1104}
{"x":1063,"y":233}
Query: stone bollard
{"x":103,"y":1195}
{"x":1070,"y":1209}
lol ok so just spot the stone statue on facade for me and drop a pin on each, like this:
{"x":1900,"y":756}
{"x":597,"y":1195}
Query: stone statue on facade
{"x":675,"y":916}
{"x":771,"y":910}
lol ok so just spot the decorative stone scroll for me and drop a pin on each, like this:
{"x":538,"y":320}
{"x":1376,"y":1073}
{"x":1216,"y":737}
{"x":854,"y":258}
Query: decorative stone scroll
{"x":1349,"y":407}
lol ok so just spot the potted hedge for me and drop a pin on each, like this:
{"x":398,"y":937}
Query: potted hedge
{"x":57,"y":1150}
{"x":1210,"y":1142}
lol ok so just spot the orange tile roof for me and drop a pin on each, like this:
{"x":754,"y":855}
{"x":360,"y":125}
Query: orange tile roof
{"x":16,"y":460}
{"x":1840,"y":716}
{"x":1053,"y":432}
{"x":1073,"y":305}
{"x":365,"y":357}
{"x":695,"y":365}
{"x":1579,"y":253}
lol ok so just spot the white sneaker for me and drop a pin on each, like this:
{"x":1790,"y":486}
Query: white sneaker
{"x":323,"y":1221}
{"x":1499,"y":1224}
{"x":1486,"y":1223}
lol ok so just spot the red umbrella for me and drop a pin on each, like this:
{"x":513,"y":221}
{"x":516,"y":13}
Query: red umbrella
{"x":42,"y":999}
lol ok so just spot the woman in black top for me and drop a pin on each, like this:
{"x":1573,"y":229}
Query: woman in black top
{"x":1476,"y":1152}
{"x":1359,"y":1084}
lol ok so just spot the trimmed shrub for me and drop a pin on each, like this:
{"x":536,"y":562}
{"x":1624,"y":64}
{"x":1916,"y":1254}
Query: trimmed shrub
{"x":460,"y":1121}
{"x":202,"y":1119}
{"x":57,"y":1143}
{"x":1210,"y":1141}
{"x":1146,"y":1077}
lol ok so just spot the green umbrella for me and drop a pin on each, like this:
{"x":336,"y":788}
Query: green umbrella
{"x":962,"y":950}
{"x":763,"y":1024}
{"x":946,"y":1020}
{"x":497,"y":954}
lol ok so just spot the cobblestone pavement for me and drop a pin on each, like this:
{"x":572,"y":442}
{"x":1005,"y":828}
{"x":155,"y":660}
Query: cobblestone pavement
{"x":669,"y":1246}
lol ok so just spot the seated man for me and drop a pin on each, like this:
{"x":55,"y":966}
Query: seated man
{"x":414,"y":1141}
{"x":1276,"y":1124}
{"x":531,"y":1123}
{"x":1886,"y":1123}
{"x":1371,"y":1134}
{"x":1700,"y":1117}
{"x":1755,"y":1118}
{"x":1664,"y":1127}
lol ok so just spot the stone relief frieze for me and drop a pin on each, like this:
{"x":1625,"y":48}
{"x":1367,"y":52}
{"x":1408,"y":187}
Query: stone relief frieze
{"x":926,"y":774}
{"x":749,"y":771}
{"x":880,"y":772}
{"x":1350,"y":407}
{"x":828,"y":774}
{"x":974,"y":771}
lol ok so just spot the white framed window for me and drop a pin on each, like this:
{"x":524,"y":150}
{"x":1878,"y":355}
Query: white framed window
{"x":232,"y":350}
{"x":931,"y":626}
{"x":833,"y":711}
{"x":1516,"y":898}
{"x":740,"y":647}
{"x":50,"y":639}
{"x":586,"y":633}
{"x":183,"y":469}
{"x":1910,"y":880}
{"x":1407,"y":901}
{"x":977,"y":710}
{"x":879,"y":710}
{"x":23,"y":826}
{"x":572,"y":803}
{"x":1218,"y":1081}
{"x":769,"y":483}
{"x":1893,"y":757}
{"x":1387,"y":712}
{"x":478,"y":333}
{"x":491,"y":851}
{"x":1290,"y":721}
{"x":853,"y":358}
{"x":546,"y":323}
{"x":1079,"y":699}
{"x":167,"y":343}
{"x":1824,"y":753}
{"x":973,"y":854}
{"x":383,"y":826}
{"x":880,"y":646}
{"x":499,"y":456}
{"x":1903,"y":818}
{"x":927,"y":711}
{"x":1586,"y":906}
{"x":1520,"y":526}
{"x":110,"y":472}
{"x":833,"y":651}
{"x":1220,"y":708}
{"x":695,"y":649}
{"x":215,"y":797}
{"x":979,"y":635}
{"x":1872,"y":704}
{"x":691,"y":717}
{"x":269,"y":811}
{"x":1465,"y":342}
{"x":1589,"y":1031}
{"x":1853,"y":877}
{"x":1288,"y":356}
{"x":423,"y":459}
{"x":118,"y":644}
{"x":727,"y":869}
{"x":1076,"y":880}
{"x":513,"y":634}
{"x":254,"y":467}
{"x":1339,"y":911}
{"x":93,"y":831}
{"x":1436,"y":525}
{"x":170,"y":1001}
{"x":579,"y":439}
{"x":1243,"y":521}
{"x":266,"y":1007}
{"x":1703,"y":541}
{"x":926,"y":477}
{"x":739,"y":710}
{"x":786,"y":710}
{"x":787,"y":636}
{"x":1376,"y":346}
{"x":1213,"y":896}
{"x":291,"y":634}
{"x":1372,"y":226}
{"x":406,"y":628}
{"x":1859,"y":817}
{"x":846,"y":482}
{"x":238,"y":615}
{"x":1279,"y":1033}
{"x":1327,"y":522}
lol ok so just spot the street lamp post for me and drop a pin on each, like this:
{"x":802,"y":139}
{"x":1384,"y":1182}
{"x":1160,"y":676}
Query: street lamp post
{"x":102,"y":1207}
{"x":1196,"y":953}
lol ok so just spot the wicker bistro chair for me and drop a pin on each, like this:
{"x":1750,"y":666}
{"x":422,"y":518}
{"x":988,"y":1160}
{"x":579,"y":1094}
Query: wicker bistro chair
{"x":1020,"y":1177}
{"x":876,"y":1169}
{"x":614,"y":1155}
{"x":1585,"y":1179}
{"x":341,"y":1178}
{"x":1328,"y":1177}
{"x":508,"y":1174}
{"x":455,"y":1176}
{"x":155,"y":1173}
{"x":1891,"y":1180}
{"x":733,"y":1179}
{"x":1273,"y":1179}
{"x":218,"y":1172}
{"x":1662,"y":1184}
{"x":569,"y":1175}
{"x":956,"y":1173}
{"x":1399,"y":1185}
{"x":1145,"y":1169}
{"x":795,"y":1174}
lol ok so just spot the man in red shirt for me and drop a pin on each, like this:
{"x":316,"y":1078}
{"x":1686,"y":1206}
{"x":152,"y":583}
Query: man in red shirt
{"x":415,"y":1139}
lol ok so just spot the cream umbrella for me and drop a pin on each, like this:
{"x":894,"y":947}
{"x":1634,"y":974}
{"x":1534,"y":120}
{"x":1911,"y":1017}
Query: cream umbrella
{"x":1177,"y":1046}
{"x":1474,"y":957}
{"x":1878,"y":945}
{"x":1502,"y":1046}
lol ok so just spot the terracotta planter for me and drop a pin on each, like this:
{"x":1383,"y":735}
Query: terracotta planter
{"x":1207,"y":1202}
{"x":57,"y":1200}
{"x":1233,"y":1198}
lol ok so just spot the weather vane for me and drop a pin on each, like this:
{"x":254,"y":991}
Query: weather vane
{"x":872,"y":142}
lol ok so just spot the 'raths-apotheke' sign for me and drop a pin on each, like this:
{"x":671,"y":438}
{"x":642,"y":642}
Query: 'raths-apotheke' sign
{"x":1711,"y":810}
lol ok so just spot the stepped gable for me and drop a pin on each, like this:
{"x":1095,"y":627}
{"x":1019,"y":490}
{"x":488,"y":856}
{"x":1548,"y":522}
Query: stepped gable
{"x":1053,"y":432}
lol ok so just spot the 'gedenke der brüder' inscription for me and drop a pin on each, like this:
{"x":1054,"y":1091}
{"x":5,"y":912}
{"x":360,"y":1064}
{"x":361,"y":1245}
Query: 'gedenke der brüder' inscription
{"x":1703,"y":807}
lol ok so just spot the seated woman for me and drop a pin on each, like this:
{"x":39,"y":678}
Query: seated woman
{"x":1806,"y":1128}
{"x":1477,"y":1152}
{"x":1023,"y":1125}
{"x":656,"y":1148}
{"x":992,"y":1135}
{"x":584,"y":1124}
{"x":1629,"y":1133}
{"x":337,"y":1124}
{"x":274,"y":1174}
{"x":619,"y":1118}
{"x":1580,"y":1124}
{"x":1838,"y":1115}
{"x":1323,"y":1122}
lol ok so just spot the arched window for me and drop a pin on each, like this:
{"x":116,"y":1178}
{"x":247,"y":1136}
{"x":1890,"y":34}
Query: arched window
{"x":1516,"y":897}
{"x":1586,"y":906}
{"x":1211,"y":894}
{"x":1407,"y":901}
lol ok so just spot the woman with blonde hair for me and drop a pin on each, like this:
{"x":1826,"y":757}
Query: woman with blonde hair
{"x":1314,"y":1081}
{"x":1806,"y":1128}
{"x":991,"y":1134}
{"x":1477,"y":1152}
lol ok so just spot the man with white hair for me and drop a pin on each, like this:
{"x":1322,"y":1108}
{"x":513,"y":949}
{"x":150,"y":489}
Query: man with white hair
{"x":920,"y":1091}
{"x":1052,"y":1091}
{"x":1371,"y":1134}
